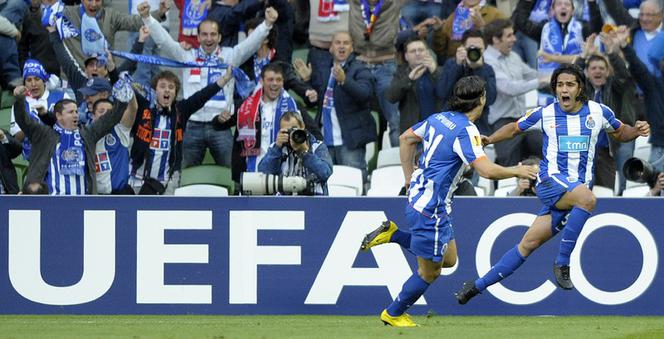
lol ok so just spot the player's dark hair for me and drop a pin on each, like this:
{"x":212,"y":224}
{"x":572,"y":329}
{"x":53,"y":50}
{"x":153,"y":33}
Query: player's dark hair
{"x":467,"y":94}
{"x":577,"y":73}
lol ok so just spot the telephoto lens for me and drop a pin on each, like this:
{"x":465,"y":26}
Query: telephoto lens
{"x":298,"y":136}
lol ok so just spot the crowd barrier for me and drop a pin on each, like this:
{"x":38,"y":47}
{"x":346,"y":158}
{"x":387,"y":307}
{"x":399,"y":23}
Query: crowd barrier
{"x":297,"y":255}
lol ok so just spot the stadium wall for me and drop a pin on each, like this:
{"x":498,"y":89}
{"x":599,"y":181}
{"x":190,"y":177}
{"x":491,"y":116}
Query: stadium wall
{"x":271,"y":255}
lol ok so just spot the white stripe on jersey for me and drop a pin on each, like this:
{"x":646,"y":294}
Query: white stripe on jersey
{"x":551,"y":148}
{"x":597,"y":114}
{"x":573,"y":158}
{"x":435,"y":238}
{"x":427,"y":195}
{"x":456,"y":146}
{"x":59,"y":182}
{"x":453,"y":187}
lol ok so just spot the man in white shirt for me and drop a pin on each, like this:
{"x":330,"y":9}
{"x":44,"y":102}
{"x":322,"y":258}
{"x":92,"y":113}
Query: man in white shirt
{"x":200,"y":133}
{"x":513,"y":80}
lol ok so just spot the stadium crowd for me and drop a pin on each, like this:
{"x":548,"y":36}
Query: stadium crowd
{"x":89,"y":118}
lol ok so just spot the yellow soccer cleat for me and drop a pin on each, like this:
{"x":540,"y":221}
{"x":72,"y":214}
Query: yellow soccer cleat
{"x":381,"y":235}
{"x":403,"y":320}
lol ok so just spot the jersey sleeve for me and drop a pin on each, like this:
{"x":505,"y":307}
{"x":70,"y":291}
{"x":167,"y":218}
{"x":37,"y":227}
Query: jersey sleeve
{"x":420,"y":128}
{"x":468,"y":145}
{"x":609,"y":121}
{"x":531,"y":121}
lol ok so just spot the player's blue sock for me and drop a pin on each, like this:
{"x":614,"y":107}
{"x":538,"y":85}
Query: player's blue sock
{"x":510,"y":261}
{"x":402,"y":238}
{"x":412,"y":289}
{"x":575,"y":222}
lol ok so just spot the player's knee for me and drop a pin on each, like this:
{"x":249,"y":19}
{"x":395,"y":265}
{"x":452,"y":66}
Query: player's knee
{"x":529,"y":245}
{"x":429,"y":275}
{"x":587,"y":202}
{"x":449,"y":261}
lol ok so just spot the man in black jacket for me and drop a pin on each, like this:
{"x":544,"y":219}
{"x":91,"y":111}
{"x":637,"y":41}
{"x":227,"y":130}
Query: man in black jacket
{"x":9,"y":149}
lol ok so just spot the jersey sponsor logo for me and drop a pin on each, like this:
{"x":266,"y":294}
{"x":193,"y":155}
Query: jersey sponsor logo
{"x":573,"y":143}
{"x":102,"y":162}
{"x":161,"y":139}
{"x":590,"y":123}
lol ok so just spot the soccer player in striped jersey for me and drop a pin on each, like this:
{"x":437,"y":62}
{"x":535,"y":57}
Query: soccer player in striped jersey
{"x":570,"y":129}
{"x":450,"y":143}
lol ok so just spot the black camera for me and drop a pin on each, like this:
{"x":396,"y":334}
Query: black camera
{"x":641,"y":171}
{"x":297,"y":136}
{"x":474,"y":53}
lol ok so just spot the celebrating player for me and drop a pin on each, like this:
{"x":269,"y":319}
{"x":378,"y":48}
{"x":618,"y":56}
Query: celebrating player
{"x":570,"y":128}
{"x":451,"y":141}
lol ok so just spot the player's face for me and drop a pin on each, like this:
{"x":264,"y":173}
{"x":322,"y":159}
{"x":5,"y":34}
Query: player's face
{"x":563,"y":10}
{"x":416,"y":51}
{"x":273,"y":84}
{"x":166,"y":92}
{"x":598,"y":72}
{"x":68,"y":118}
{"x":209,"y":37}
{"x":567,"y":90}
{"x":35,"y":86}
{"x":101,"y":109}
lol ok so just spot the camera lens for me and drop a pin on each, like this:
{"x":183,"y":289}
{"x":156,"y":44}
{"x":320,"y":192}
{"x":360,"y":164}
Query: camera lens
{"x":474,"y":53}
{"x":298,"y":136}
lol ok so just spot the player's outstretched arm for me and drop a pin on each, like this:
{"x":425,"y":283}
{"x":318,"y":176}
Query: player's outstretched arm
{"x":628,"y":133}
{"x":506,"y":132}
{"x":407,"y":148}
{"x":489,"y":170}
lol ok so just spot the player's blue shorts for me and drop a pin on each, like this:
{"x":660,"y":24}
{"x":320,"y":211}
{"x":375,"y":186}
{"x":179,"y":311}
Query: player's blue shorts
{"x":429,"y":236}
{"x":549,"y":191}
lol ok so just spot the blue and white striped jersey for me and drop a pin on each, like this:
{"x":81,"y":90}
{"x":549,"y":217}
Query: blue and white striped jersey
{"x":63,"y":184}
{"x":568,"y":145}
{"x":450,"y":140}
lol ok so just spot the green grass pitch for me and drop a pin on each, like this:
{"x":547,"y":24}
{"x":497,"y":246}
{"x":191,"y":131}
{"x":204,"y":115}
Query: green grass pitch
{"x":301,"y":326}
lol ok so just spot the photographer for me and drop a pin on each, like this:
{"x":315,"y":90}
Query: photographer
{"x":469,"y":61}
{"x":296,"y":152}
{"x":525,"y":187}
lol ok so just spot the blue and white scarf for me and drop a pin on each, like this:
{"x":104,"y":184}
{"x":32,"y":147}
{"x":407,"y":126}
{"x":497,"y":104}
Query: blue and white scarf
{"x":541,"y":11}
{"x":553,"y":42}
{"x":52,"y":16}
{"x":93,"y":41}
{"x":260,"y":63}
{"x":243,"y":84}
{"x":462,"y":22}
{"x":341,"y":6}
{"x":71,"y":155}
{"x":193,"y":14}
{"x":370,"y":16}
{"x":328,"y":106}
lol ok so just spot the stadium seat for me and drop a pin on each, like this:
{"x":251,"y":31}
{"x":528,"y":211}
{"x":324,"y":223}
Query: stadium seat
{"x":388,"y":157}
{"x":636,"y":191}
{"x":390,"y":178}
{"x":486,"y":184}
{"x":480,"y":191}
{"x":341,"y":191}
{"x":209,"y":175}
{"x":346,"y":176}
{"x":630,"y":184}
{"x":642,"y":148}
{"x":602,"y":192}
{"x":201,"y":190}
{"x":504,"y":191}
{"x":490,"y":152}
{"x":383,"y":191}
{"x":507,"y":182}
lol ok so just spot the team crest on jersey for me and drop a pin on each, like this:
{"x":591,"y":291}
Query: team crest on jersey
{"x":161,"y":139}
{"x":110,"y":140}
{"x":102,"y":162}
{"x":590,"y":123}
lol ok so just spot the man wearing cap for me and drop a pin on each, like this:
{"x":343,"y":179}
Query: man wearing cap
{"x":95,"y":89}
{"x":200,"y":133}
{"x":39,"y":100}
{"x":63,"y":156}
